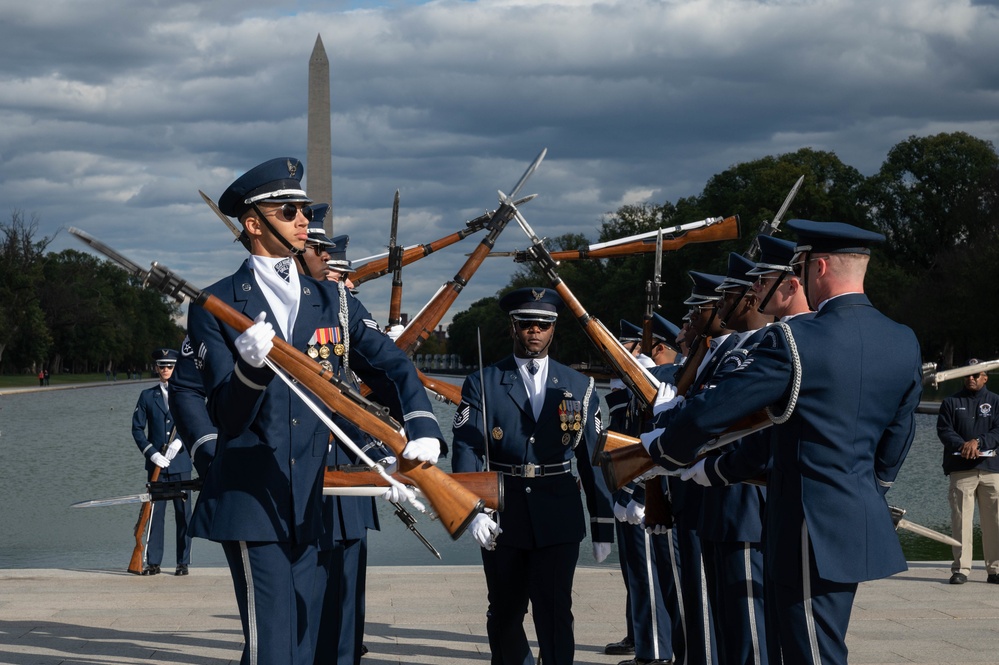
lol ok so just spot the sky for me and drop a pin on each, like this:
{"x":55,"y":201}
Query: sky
{"x":113,"y":114}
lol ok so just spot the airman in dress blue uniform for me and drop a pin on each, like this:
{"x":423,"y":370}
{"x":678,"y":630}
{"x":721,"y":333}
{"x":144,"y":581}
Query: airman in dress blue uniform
{"x":539,"y":415}
{"x":153,"y":432}
{"x":262,"y":496}
{"x":841,"y":388}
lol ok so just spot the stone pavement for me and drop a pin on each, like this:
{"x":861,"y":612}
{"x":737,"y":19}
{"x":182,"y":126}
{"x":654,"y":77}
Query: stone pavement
{"x":434,"y":614}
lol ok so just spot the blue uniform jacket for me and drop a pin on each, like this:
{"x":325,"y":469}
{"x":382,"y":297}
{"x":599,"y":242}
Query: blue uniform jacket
{"x":151,"y":413}
{"x":842,"y":447}
{"x":964,"y":416}
{"x":538,"y":511}
{"x":265,"y":483}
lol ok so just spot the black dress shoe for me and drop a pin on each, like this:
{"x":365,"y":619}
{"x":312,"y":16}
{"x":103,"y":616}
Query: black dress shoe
{"x":959,"y":578}
{"x":364,"y":649}
{"x":151,"y":570}
{"x":181,"y":570}
{"x":992,"y":579}
{"x":646,"y":661}
{"x":622,"y":648}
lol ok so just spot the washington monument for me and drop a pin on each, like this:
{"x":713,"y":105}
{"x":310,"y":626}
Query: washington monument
{"x":319,"y":154}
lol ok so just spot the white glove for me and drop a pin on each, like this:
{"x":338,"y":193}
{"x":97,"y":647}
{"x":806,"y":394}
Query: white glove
{"x":174,"y":448}
{"x":485,"y":530}
{"x":620,"y":513}
{"x":256,"y":341}
{"x":390,"y":464}
{"x":636,"y":512}
{"x":159,"y":460}
{"x":657,"y":530}
{"x":666,"y":398}
{"x":394,"y":331}
{"x":654,"y":472}
{"x":648,"y":438}
{"x":424,"y":449}
{"x":600,"y":551}
{"x":696,"y":473}
{"x":396,"y":494}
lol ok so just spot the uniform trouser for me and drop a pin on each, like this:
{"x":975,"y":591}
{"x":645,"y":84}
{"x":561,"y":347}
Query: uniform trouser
{"x":544,"y":577}
{"x":809,"y":616}
{"x":695,"y":644}
{"x":734,"y":571}
{"x":157,"y":522}
{"x":966,"y":487}
{"x":279,"y":592}
{"x":341,"y":629}
{"x":622,"y":553}
{"x":653,"y":632}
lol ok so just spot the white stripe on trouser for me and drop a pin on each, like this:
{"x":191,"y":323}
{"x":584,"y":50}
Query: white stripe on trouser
{"x":649,"y":577}
{"x":679,"y":593}
{"x":806,"y":592}
{"x":705,"y":609}
{"x":251,"y":609}
{"x":751,"y":602}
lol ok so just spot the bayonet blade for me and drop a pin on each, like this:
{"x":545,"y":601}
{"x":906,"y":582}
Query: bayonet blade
{"x":410,"y":523}
{"x":775,"y":222}
{"x":127,"y":265}
{"x":927,"y":532}
{"x":145,"y":497}
{"x":527,"y":174}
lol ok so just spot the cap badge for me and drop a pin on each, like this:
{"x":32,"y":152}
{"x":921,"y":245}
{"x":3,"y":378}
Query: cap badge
{"x":538,"y":295}
{"x":292,"y":168}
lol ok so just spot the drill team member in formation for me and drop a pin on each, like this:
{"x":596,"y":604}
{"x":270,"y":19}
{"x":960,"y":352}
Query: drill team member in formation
{"x":539,"y":415}
{"x":262,"y":496}
{"x":153,"y":432}
{"x":841,"y":388}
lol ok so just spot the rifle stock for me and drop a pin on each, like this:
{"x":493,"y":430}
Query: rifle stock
{"x":487,"y":485}
{"x":728,"y":229}
{"x":145,"y":512}
{"x":622,"y":464}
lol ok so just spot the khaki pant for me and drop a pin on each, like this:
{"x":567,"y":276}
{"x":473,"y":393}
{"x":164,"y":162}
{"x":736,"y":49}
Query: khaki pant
{"x":965,"y":488}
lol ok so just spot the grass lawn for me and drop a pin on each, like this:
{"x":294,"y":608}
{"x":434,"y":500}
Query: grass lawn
{"x":28,"y":380}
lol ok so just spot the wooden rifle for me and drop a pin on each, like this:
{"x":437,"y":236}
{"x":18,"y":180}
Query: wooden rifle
{"x":378,"y":266}
{"x":636,"y":377}
{"x":652,"y":287}
{"x":145,"y":512}
{"x":395,"y":265}
{"x":722,"y":229}
{"x":486,"y":485}
{"x":455,"y":504}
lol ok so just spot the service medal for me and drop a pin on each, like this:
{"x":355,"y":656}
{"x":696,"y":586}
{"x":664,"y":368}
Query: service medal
{"x":339,"y":349}
{"x":497,"y":433}
{"x":324,"y":352}
{"x":313,"y":351}
{"x":564,"y":427}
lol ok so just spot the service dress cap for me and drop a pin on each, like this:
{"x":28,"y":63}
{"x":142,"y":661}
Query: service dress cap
{"x":664,"y":330}
{"x":775,"y":256}
{"x":833,"y":237}
{"x":165,"y":357}
{"x":276,"y":180}
{"x":737,"y":276}
{"x":337,"y":249}
{"x":532,"y":304}
{"x":629,"y":332}
{"x":704,"y":289}
{"x":317,"y":232}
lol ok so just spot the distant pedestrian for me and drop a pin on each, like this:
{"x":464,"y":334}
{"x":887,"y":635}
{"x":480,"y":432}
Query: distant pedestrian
{"x":41,"y":378}
{"x":969,"y":431}
{"x":46,"y":377}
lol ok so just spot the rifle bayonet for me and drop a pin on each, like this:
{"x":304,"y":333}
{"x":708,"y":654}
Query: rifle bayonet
{"x":395,"y":265}
{"x":768,"y":229}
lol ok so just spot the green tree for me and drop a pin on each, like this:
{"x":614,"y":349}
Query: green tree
{"x":23,"y":331}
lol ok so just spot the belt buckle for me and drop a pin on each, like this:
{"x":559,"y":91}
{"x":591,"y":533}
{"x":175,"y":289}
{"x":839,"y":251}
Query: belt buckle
{"x":529,"y":470}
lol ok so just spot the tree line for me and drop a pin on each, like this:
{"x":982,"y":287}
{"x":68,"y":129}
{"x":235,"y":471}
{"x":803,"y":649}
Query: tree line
{"x":69,"y":311}
{"x":934,"y":198}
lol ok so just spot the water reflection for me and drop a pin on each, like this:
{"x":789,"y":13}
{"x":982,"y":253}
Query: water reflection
{"x":64,"y":446}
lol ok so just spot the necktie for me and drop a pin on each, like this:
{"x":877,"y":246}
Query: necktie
{"x":533,"y":367}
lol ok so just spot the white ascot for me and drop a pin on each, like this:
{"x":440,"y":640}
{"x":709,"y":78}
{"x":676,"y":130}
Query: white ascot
{"x":278,"y":279}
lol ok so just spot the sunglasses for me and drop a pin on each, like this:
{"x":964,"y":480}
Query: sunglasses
{"x":289,"y":211}
{"x":527,"y":325}
{"x":976,"y":376}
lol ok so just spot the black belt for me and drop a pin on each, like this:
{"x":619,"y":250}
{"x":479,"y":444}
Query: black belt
{"x":533,"y":470}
